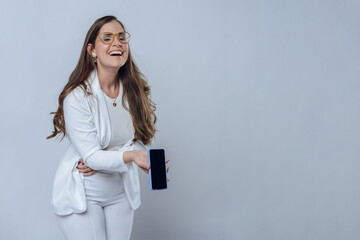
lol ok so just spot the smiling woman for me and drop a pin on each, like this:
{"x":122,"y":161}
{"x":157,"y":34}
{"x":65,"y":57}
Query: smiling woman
{"x":112,"y":41}
{"x":96,"y":187}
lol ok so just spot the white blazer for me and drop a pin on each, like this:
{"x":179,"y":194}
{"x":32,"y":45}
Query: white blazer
{"x":88,"y":127}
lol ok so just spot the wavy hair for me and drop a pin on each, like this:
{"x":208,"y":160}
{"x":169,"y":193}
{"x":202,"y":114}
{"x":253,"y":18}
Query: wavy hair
{"x":135,"y":89}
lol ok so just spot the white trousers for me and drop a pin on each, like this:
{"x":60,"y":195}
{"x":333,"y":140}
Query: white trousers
{"x":108,"y":218}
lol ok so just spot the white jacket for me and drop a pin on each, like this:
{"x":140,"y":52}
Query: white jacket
{"x":88,"y":127}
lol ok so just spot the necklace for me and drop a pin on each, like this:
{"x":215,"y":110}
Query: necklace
{"x":114,"y":100}
{"x":114,"y":103}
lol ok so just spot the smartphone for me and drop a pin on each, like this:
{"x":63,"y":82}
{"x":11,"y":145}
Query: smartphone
{"x":157,"y":172}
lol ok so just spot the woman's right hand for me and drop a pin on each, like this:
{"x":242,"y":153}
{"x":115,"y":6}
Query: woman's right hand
{"x":140,"y":158}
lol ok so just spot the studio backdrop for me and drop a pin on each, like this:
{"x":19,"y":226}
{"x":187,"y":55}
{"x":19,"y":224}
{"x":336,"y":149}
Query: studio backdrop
{"x":258,"y":110}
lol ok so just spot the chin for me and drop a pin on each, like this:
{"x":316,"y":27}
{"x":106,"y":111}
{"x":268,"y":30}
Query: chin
{"x":111,"y":64}
{"x":118,"y":63}
{"x":119,"y":66}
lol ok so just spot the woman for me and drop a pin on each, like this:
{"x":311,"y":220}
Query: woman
{"x":106,"y":112}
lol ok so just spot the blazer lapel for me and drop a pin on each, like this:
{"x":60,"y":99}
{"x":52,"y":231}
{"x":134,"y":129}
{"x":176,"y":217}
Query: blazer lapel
{"x":100,"y":111}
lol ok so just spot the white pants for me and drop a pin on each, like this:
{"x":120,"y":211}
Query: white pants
{"x":106,"y":218}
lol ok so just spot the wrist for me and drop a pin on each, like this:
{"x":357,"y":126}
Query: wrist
{"x":127,"y":156}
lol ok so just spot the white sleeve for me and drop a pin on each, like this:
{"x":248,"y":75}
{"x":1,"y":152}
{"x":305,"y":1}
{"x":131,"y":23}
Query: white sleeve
{"x":82,"y":133}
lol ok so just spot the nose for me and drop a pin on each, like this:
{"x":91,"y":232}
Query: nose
{"x":116,"y":42}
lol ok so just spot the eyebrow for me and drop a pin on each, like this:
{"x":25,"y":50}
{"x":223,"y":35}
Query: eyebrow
{"x":112,"y":33}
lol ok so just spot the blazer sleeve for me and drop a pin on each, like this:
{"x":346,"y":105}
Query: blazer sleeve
{"x":82,"y":133}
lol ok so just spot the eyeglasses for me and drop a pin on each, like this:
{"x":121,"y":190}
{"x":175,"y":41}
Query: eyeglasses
{"x":108,"y":37}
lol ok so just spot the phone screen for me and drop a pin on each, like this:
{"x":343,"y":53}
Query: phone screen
{"x":158,"y":179}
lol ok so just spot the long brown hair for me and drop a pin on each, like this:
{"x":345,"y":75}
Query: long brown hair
{"x":136,"y":90}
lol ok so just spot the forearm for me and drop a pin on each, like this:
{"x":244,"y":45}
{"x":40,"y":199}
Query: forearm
{"x":109,"y":160}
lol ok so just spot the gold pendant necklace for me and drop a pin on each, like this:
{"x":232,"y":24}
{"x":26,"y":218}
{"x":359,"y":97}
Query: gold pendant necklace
{"x":114,"y":103}
{"x":114,"y":100}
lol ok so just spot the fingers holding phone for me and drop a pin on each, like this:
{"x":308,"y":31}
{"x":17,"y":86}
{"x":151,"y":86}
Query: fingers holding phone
{"x":167,"y":168}
{"x":154,"y":158}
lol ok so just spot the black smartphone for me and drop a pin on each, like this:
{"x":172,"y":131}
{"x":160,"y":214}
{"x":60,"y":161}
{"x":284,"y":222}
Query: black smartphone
{"x":157,"y":172}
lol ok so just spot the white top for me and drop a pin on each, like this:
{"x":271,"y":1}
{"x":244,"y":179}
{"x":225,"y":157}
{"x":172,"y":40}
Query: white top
{"x":122,"y":129}
{"x":100,"y":186}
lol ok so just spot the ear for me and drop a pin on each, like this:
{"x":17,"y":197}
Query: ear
{"x":90,"y":49}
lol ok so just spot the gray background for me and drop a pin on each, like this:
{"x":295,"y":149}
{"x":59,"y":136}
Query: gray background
{"x":258,"y":108}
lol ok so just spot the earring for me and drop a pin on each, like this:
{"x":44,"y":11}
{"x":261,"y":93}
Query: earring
{"x":94,"y":58}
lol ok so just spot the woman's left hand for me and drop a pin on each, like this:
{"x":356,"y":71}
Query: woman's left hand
{"x":85,"y":169}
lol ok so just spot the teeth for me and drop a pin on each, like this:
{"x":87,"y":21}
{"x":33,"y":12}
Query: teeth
{"x":116,"y":53}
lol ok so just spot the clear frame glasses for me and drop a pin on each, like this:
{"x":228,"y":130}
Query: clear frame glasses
{"x":108,"y":37}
